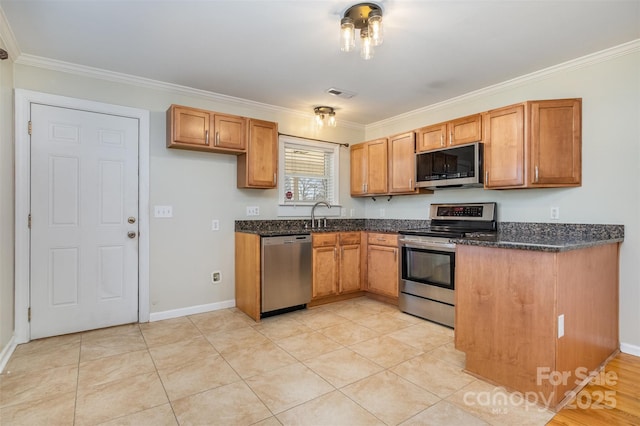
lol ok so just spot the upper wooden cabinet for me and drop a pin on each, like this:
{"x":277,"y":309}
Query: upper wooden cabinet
{"x":402,"y":163}
{"x":369,"y":168}
{"x":456,"y":132}
{"x":534,"y":144}
{"x":201,"y":130}
{"x":258,"y":167}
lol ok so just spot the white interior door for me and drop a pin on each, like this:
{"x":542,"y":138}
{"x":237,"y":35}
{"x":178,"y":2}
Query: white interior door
{"x":84,"y":220}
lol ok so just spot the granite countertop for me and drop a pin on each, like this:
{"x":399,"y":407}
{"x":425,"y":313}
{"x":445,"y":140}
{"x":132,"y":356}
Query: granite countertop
{"x":550,"y":237}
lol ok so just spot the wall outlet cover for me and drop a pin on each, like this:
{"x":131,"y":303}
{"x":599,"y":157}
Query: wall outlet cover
{"x":163,"y":211}
{"x":216,"y":277}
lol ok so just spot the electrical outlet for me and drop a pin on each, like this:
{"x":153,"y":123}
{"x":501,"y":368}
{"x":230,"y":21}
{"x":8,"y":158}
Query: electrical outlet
{"x":352,"y":212}
{"x":162,"y":211}
{"x":343,"y":212}
{"x":215,"y":225}
{"x":216,"y":277}
{"x":555,"y":213}
{"x":560,"y":325}
{"x":253,"y":211}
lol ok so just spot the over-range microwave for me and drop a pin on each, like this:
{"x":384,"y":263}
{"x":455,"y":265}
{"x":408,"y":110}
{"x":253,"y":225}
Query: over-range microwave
{"x":457,"y":166}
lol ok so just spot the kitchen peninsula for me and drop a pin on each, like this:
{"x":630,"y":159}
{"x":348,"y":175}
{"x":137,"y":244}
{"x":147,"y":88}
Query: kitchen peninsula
{"x":537,"y":307}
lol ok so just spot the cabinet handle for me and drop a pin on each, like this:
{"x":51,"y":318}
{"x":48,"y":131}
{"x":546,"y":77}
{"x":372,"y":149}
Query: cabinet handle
{"x":381,"y":239}
{"x":335,"y":253}
{"x":451,"y":138}
{"x":395,"y":255}
{"x":365,"y":187}
{"x":217,"y":138}
{"x":206,"y":137}
{"x":442,"y":140}
{"x":274,"y":178}
{"x":410,"y":183}
{"x":486,"y":176}
{"x":536,"y":175}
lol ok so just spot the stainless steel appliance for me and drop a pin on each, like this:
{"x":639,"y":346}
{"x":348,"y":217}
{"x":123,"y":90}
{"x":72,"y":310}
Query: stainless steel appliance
{"x":286,"y":273}
{"x":450,"y":167}
{"x":428,"y":257}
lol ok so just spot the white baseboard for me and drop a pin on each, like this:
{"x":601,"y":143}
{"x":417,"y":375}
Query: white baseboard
{"x":630,"y":349}
{"x":191,"y":310}
{"x":6,"y":353}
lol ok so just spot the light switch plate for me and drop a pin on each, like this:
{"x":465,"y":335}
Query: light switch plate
{"x":215,"y":225}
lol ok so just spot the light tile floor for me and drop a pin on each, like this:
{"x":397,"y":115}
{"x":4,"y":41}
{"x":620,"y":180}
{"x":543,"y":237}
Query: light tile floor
{"x":357,"y":362}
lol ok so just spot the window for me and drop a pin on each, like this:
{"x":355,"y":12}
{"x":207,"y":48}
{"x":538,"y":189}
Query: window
{"x":308,"y":172}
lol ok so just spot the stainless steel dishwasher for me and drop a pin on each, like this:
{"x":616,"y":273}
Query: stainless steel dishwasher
{"x":286,"y":273}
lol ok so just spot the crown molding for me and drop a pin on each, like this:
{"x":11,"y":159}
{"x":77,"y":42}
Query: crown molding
{"x":116,"y":77}
{"x":8,"y":38}
{"x":587,"y":60}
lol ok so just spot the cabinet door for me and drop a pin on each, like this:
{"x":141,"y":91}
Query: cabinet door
{"x":504,"y":147}
{"x":349,"y":268}
{"x":465,"y":130}
{"x":358,"y":168}
{"x":402,"y":163}
{"x":376,"y":167}
{"x":556,"y":142}
{"x":325,"y":271}
{"x":230,"y":132}
{"x":432,"y":137}
{"x":382,"y":270}
{"x":258,"y":168}
{"x":190,"y":128}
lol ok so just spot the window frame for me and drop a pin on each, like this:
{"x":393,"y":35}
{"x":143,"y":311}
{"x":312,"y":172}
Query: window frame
{"x":304,"y":207}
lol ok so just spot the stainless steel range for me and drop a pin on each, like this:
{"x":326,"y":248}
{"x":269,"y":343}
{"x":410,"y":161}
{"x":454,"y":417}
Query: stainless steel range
{"x":427,"y":287}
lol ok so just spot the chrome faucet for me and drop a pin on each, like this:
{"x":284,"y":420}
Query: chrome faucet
{"x":313,"y":212}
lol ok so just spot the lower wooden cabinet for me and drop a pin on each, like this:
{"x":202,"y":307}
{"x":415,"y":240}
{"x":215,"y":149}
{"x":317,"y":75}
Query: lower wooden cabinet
{"x":336,"y":264}
{"x":383,"y":260}
{"x":524,"y":315}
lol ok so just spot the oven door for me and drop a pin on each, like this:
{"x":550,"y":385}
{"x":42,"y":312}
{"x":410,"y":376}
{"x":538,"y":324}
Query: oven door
{"x":428,"y":266}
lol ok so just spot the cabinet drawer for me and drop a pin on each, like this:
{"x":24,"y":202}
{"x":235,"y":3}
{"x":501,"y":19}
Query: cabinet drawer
{"x":324,"y":240}
{"x":349,"y":238}
{"x":380,"y":239}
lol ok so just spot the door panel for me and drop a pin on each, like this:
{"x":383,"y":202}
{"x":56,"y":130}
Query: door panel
{"x":84,"y":187}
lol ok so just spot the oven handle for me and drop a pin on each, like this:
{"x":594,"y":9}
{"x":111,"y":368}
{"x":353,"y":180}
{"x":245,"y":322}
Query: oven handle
{"x":447,"y":247}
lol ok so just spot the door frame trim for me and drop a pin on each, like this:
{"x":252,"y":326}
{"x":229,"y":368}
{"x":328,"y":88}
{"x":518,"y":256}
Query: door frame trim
{"x":23,"y":101}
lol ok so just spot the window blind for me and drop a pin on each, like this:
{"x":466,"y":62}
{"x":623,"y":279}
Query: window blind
{"x":308,"y":174}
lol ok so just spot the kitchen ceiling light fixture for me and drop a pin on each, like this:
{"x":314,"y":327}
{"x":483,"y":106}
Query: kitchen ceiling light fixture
{"x":325,"y":115}
{"x":366,"y":17}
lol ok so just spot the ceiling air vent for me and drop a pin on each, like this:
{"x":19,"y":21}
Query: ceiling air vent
{"x":340,"y":93}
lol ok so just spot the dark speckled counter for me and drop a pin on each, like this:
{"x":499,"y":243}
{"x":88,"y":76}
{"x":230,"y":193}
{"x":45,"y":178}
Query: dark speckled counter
{"x":553,"y":237}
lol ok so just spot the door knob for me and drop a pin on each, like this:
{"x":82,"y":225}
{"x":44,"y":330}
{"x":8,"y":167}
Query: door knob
{"x":131,"y":234}
{"x":131,"y":219}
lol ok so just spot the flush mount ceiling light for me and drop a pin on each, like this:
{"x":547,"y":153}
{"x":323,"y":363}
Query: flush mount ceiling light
{"x":325,"y":115}
{"x":366,"y":17}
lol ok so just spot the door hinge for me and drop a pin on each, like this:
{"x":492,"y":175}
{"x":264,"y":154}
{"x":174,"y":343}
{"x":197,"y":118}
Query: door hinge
{"x":29,"y":127}
{"x":29,"y":221}
{"x":29,"y":314}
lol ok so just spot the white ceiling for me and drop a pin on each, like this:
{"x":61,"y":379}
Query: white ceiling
{"x":286,"y":53}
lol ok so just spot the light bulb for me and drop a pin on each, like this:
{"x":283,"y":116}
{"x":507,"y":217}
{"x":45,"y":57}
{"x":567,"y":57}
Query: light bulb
{"x":347,"y":35}
{"x":366,"y":50}
{"x":375,"y":27}
{"x":331,"y":122}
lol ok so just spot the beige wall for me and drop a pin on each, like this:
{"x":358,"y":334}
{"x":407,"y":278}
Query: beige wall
{"x":202,"y":187}
{"x":6,"y":201}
